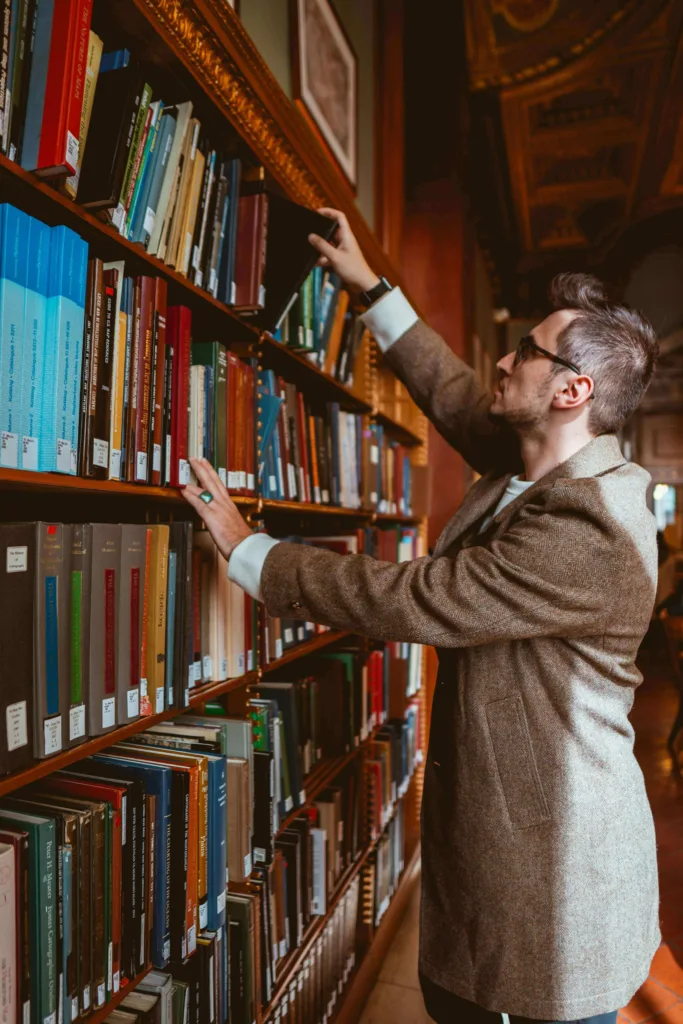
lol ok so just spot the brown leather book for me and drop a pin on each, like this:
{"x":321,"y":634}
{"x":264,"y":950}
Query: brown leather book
{"x":106,"y":567}
{"x":131,"y":596}
{"x":102,"y":364}
{"x":94,"y":338}
{"x":250,"y":262}
{"x":80,"y":602}
{"x":336,"y":333}
{"x":17,"y":570}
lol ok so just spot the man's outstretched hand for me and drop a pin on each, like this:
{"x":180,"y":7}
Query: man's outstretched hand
{"x":345,"y":258}
{"x":222,"y":517}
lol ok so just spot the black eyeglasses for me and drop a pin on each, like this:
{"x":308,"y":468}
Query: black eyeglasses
{"x":527,"y":345}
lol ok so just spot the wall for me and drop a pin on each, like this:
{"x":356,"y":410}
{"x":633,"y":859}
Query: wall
{"x":267,"y":22}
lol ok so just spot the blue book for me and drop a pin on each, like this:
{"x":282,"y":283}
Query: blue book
{"x":170,"y":625}
{"x":157,"y":781}
{"x":13,"y":272}
{"x":143,"y":177}
{"x":35,"y":101}
{"x":62,"y":363}
{"x":145,"y":213}
{"x":33,"y":352}
{"x":218,"y":841}
{"x":114,"y":59}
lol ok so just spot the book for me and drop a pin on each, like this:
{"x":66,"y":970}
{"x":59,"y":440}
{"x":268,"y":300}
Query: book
{"x":134,"y":541}
{"x":92,"y":67}
{"x":152,"y":687}
{"x":17,"y":572}
{"x":9,"y":949}
{"x":33,"y":348}
{"x":52,"y":691}
{"x":14,"y":237}
{"x":105,"y":581}
{"x":179,"y":325}
{"x":114,"y":113}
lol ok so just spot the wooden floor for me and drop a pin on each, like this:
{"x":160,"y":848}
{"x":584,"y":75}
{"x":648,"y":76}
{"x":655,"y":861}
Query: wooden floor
{"x":396,"y":998}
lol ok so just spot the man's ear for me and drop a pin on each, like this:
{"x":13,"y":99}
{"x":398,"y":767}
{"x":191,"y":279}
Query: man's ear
{"x":574,"y":393}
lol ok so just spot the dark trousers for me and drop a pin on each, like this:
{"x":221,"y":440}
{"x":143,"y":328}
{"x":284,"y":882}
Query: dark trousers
{"x":446,"y":1008}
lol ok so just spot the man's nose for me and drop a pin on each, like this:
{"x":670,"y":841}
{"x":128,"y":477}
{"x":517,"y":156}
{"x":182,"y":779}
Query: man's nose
{"x":506,"y":364}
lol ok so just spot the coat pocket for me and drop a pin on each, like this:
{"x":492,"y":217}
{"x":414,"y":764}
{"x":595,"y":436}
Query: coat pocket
{"x":514,"y":757}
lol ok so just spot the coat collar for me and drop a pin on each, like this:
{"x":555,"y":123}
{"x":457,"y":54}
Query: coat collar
{"x":598,"y":456}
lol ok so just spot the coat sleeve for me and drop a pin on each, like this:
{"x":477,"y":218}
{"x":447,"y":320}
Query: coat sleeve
{"x":446,"y":390}
{"x":556,"y":572}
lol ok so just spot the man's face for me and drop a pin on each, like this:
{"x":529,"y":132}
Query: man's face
{"x":525,"y":392}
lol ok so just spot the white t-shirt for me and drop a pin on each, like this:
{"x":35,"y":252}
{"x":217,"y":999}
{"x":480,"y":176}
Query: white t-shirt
{"x":512,"y":491}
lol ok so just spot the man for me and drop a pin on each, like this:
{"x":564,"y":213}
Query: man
{"x":539,"y":880}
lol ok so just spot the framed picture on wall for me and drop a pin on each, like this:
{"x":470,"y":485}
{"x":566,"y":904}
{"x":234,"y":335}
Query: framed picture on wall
{"x":326,"y":78}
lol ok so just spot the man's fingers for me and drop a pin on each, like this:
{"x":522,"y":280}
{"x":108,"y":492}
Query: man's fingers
{"x":322,"y":246}
{"x":191,"y":494}
{"x":337,"y":215}
{"x":209,"y":478}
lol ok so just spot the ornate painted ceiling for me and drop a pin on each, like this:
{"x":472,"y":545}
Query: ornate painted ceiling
{"x":576,"y":132}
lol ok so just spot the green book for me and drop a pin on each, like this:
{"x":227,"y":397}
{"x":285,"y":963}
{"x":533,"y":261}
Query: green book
{"x":42,"y":878}
{"x":348,"y":659}
{"x":120,"y":212}
{"x":213,"y":354}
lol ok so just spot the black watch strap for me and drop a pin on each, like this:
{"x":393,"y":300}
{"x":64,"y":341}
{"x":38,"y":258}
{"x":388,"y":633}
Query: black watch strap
{"x":380,"y":289}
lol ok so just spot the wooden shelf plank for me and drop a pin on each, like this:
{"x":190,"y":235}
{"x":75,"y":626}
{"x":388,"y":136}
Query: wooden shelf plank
{"x":58,"y":209}
{"x":317,"y":643}
{"x":387,"y":517}
{"x":399,"y":431}
{"x":303,"y":508}
{"x":288,"y":359}
{"x":24,"y":479}
{"x":40,"y":769}
{"x":103,"y":1011}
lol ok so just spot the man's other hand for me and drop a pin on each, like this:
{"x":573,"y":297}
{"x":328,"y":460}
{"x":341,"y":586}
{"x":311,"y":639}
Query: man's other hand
{"x":345,"y":258}
{"x":221,"y":515}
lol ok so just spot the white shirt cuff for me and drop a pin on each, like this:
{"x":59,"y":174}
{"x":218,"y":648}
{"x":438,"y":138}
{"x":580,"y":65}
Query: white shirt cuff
{"x":246,"y":563}
{"x":389,"y":318}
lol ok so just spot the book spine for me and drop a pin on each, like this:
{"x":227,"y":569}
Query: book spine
{"x":118,"y":377}
{"x":89,"y":84}
{"x":14,"y":229}
{"x":171,"y":626}
{"x":37,"y":85}
{"x":159,"y":366}
{"x":33,"y":351}
{"x":136,"y":135}
{"x":58,"y":150}
{"x":144,"y":372}
{"x":74,"y":286}
{"x":103,"y":384}
{"x":180,"y":475}
{"x":76,"y":88}
{"x":5,"y":94}
{"x":47,"y":921}
{"x":143,"y":231}
{"x":22,"y":69}
{"x":142,"y":178}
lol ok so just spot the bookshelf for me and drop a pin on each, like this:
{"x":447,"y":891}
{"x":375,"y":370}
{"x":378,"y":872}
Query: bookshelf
{"x":200,"y":48}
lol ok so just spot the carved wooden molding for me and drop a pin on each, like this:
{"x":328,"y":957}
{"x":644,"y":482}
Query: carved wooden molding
{"x":215,"y":46}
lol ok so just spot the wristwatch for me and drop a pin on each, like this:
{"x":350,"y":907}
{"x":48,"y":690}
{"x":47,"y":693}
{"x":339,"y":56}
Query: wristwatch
{"x":380,"y":289}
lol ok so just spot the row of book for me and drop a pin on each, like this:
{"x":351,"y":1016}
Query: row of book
{"x":142,"y":855}
{"x":123,"y":393}
{"x":193,"y":995}
{"x":99,"y":376}
{"x":104,"y":623}
{"x":321,"y":324}
{"x":93,"y":122}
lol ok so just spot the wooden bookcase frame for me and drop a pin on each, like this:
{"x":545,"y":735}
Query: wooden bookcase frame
{"x":208,"y":40}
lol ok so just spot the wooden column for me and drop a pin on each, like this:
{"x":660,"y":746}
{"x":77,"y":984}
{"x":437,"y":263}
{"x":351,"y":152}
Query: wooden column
{"x":390,"y":132}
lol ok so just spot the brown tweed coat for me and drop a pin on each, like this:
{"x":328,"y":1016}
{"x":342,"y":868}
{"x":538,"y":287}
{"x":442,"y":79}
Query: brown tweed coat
{"x":539,"y":891}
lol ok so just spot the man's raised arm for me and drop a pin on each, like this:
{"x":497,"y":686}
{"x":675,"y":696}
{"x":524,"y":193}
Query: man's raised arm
{"x":442,"y":385}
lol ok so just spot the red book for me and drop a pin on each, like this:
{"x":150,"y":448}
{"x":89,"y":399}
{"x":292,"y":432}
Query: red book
{"x":144,"y":374}
{"x":179,"y":326}
{"x":250,"y":261}
{"x":60,"y":129}
{"x":158,"y":370}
